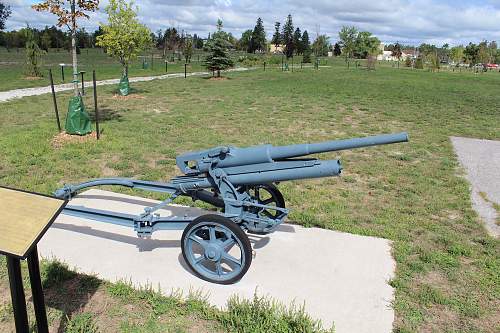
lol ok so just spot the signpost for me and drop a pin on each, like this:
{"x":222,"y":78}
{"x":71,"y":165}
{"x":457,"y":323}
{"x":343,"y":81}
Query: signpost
{"x":25,"y":218}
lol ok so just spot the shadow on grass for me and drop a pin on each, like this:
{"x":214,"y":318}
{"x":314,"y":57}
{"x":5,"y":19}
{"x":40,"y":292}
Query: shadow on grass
{"x":106,"y":114}
{"x":66,"y":291}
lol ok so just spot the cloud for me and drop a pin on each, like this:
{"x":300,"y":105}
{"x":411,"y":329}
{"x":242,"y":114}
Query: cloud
{"x":407,"y":21}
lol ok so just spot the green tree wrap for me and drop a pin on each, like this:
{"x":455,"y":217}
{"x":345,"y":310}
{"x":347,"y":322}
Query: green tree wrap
{"x":123,"y":86}
{"x":77,"y":119}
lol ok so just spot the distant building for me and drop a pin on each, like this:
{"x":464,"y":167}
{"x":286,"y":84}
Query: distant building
{"x":276,"y":49}
{"x":387,"y":55}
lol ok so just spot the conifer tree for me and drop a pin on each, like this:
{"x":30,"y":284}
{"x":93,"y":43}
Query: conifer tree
{"x":306,"y":47}
{"x":297,"y":42}
{"x":218,"y":47}
{"x":258,"y":39}
{"x":277,"y":35}
{"x":288,"y":37}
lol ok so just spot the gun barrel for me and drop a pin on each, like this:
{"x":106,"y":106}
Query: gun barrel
{"x":277,"y":153}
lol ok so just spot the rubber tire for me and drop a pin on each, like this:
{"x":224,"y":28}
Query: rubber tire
{"x":235,"y":229}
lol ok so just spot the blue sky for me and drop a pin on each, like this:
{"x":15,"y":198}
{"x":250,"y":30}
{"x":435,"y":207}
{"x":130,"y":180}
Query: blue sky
{"x":406,"y":21}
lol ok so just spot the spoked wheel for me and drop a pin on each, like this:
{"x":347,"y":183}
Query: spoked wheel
{"x":216,"y":249}
{"x":269,"y":195}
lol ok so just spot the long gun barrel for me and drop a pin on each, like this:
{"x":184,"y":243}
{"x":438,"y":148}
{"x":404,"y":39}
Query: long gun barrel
{"x":223,"y":157}
{"x":290,"y":151}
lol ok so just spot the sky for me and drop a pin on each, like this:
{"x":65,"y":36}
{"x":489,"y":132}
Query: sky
{"x":407,"y":21}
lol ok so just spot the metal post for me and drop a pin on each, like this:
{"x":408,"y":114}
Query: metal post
{"x":282,"y":68}
{"x":54,"y":99}
{"x":292,"y":63}
{"x":17,"y":294}
{"x":62,"y":71}
{"x":96,"y":109}
{"x":83,"y":83}
{"x":185,"y":70}
{"x":37,"y":292}
{"x":264,"y":66}
{"x":151,"y":60}
{"x":166,"y":66}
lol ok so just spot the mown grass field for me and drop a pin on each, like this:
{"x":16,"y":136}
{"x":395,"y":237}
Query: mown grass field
{"x":447,"y":276}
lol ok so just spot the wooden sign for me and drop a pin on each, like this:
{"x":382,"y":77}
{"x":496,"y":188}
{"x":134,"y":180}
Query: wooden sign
{"x":24,"y":218}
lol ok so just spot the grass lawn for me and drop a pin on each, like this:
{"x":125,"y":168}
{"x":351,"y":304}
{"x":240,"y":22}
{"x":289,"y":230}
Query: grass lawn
{"x":13,"y":77}
{"x":447,"y":276}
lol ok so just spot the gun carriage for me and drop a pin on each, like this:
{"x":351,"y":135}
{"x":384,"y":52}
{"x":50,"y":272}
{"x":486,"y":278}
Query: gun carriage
{"x":241,"y":183}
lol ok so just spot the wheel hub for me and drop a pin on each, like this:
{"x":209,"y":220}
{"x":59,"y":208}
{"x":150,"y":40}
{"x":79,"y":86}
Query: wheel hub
{"x":213,"y":252}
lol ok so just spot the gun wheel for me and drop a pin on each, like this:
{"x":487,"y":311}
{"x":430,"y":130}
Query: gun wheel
{"x":216,"y":249}
{"x":269,"y":195}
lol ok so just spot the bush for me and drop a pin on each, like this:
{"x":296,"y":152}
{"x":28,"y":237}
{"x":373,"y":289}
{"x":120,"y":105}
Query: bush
{"x":419,"y":63}
{"x":408,"y":62}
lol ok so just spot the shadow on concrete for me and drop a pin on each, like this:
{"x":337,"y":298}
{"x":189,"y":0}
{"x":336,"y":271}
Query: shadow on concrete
{"x":141,"y":243}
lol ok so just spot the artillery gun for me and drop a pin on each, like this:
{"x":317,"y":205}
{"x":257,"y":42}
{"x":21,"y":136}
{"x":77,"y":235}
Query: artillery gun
{"x":241,"y":183}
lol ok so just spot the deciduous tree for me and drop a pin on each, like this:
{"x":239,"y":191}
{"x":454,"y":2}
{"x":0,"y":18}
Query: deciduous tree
{"x":4,"y":14}
{"x":347,"y":37}
{"x":124,"y":37}
{"x":68,"y":12}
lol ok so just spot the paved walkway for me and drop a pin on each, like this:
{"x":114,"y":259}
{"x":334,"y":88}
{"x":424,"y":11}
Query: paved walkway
{"x":481,"y":161}
{"x":19,"y":93}
{"x":342,"y":278}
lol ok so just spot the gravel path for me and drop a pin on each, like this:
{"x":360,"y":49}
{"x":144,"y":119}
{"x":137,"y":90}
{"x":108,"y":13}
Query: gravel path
{"x":19,"y":93}
{"x":481,"y":161}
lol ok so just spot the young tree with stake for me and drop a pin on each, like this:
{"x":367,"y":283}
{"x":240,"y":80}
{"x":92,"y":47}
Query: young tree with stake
{"x":68,"y":12}
{"x":124,"y":37}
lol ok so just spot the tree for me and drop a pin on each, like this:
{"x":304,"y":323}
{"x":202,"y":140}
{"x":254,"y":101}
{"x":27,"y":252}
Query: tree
{"x":188,"y":48}
{"x":258,"y":38}
{"x":288,"y":37}
{"x":46,"y":41}
{"x":33,"y":54}
{"x":68,"y":12}
{"x":277,"y":40}
{"x":4,"y":14}
{"x":347,"y":37}
{"x":483,"y":54}
{"x":297,"y":42}
{"x":218,"y":47}
{"x":321,"y":46}
{"x":366,"y":45}
{"x":245,"y":40}
{"x":396,"y":51}
{"x":124,"y":37}
{"x":471,"y":53}
{"x":336,"y":50}
{"x":457,"y":54}
{"x":306,"y":47}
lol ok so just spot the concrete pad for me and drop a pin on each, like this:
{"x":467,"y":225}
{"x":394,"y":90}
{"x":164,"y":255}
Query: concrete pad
{"x":481,"y":161}
{"x":341,"y":278}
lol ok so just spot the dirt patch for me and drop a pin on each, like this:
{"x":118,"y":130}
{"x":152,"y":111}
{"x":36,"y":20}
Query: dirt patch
{"x":33,"y":78}
{"x":63,"y":138}
{"x":220,"y":78}
{"x":125,"y":98}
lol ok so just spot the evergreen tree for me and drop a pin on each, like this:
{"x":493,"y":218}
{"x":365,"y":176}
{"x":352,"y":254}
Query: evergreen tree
{"x":218,"y":47}
{"x":306,"y":47}
{"x":297,"y":41}
{"x":337,"y":50}
{"x":277,"y":35}
{"x":258,"y":39}
{"x":288,"y":37}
